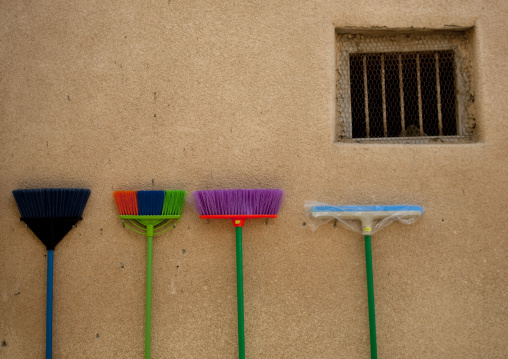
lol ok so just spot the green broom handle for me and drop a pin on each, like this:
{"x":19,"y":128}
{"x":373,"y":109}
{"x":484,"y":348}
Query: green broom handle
{"x":370,"y":290}
{"x":148,"y":312}
{"x":239,"y":293}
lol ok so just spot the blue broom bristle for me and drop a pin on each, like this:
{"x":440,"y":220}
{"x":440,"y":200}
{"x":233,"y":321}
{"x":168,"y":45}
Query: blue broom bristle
{"x":51,"y":202}
{"x":150,"y":203}
{"x":239,"y":201}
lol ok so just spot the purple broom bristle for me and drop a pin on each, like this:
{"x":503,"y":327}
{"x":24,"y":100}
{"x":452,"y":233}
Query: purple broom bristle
{"x":238,"y":201}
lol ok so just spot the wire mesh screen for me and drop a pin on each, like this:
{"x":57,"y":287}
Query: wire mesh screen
{"x":404,"y":95}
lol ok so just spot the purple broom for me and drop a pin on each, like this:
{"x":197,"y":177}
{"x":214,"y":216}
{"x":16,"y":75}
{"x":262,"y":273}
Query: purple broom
{"x":238,"y":205}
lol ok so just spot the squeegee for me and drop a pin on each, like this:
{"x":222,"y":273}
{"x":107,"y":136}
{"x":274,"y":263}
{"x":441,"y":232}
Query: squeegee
{"x":371,"y":218}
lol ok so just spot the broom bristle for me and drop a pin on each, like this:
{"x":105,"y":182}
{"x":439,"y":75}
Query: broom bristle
{"x":173,"y":203}
{"x":127,"y":202}
{"x":238,"y":201}
{"x":51,"y":202}
{"x":150,"y":203}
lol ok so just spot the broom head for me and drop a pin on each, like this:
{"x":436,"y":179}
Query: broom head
{"x":149,"y":203}
{"x":51,"y":212}
{"x":150,"y":208}
{"x":238,"y":204}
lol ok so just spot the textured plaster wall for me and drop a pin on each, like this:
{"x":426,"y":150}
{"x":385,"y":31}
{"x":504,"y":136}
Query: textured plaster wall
{"x":173,"y":94}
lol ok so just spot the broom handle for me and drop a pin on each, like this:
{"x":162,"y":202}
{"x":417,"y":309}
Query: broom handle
{"x":370,"y":290}
{"x":148,"y":312}
{"x":239,"y":293}
{"x":49,"y":305}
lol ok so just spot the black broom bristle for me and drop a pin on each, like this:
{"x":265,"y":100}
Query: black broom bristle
{"x":51,"y":202}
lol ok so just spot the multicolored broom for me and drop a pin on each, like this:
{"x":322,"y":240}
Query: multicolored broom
{"x":239,"y":205}
{"x":149,"y":213}
{"x":51,"y":213}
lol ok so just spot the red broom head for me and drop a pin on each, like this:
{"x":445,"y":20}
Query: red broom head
{"x":127,"y":202}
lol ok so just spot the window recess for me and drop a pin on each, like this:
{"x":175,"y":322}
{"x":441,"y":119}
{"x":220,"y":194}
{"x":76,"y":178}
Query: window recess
{"x":404,"y":87}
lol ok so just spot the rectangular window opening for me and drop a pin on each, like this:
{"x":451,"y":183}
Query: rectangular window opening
{"x":409,"y":88}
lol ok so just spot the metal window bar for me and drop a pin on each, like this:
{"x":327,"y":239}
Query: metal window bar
{"x":401,"y":90}
{"x":383,"y":91}
{"x":419,"y":85}
{"x":438,"y":90}
{"x":366,"y":94}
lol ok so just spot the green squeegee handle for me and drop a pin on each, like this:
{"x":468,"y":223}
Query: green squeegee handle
{"x":148,"y":312}
{"x":370,"y":290}
{"x":239,"y":293}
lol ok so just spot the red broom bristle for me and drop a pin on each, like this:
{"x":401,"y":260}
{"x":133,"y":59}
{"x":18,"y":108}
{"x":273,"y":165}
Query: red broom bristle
{"x":127,"y":202}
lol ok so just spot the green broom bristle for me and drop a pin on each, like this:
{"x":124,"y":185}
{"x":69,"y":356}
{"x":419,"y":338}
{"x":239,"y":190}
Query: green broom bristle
{"x":173,"y":203}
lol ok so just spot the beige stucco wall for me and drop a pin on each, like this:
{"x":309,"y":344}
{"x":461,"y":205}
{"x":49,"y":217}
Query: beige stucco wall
{"x":174,"y":94}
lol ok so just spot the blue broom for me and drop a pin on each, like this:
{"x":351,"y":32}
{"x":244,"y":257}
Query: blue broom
{"x":51,"y":213}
